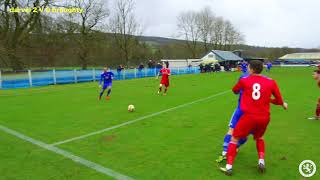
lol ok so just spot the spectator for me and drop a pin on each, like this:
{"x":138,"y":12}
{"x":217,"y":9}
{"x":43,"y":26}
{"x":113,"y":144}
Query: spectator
{"x":201,"y":68}
{"x":207,"y":68}
{"x":189,"y":67}
{"x":150,"y":64}
{"x":141,"y":67}
{"x":119,"y":69}
{"x":217,"y":67}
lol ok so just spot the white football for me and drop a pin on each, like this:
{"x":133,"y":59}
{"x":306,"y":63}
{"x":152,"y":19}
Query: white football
{"x":131,"y":108}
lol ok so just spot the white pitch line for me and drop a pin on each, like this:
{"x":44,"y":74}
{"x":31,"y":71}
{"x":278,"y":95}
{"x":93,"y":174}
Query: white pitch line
{"x":136,"y":120}
{"x":67,"y":154}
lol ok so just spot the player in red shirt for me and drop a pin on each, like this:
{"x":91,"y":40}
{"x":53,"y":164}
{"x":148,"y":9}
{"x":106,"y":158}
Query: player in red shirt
{"x":165,"y":72}
{"x":316,"y":76}
{"x":255,"y":104}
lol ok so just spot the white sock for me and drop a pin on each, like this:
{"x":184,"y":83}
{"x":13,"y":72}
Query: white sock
{"x":261,"y":161}
{"x":224,"y":153}
{"x":228,"y":166}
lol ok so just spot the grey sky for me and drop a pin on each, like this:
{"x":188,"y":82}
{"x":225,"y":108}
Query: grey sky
{"x":293,"y":23}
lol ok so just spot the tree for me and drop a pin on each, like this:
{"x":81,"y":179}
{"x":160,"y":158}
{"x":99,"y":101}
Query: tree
{"x":16,"y":27}
{"x":205,"y":22}
{"x":124,"y":27}
{"x":189,"y":29}
{"x":218,"y":33}
{"x":231,"y":36}
{"x":94,"y":12}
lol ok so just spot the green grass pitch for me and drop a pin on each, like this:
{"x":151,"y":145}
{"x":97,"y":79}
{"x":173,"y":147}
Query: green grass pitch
{"x":179,"y":144}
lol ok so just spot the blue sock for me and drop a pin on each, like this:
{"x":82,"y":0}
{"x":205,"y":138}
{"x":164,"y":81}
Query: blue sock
{"x":226,"y":141}
{"x":242,"y":141}
{"x":109,"y":91}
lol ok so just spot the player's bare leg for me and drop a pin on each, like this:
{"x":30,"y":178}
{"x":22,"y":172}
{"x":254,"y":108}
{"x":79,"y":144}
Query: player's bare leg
{"x":165,"y":91}
{"x":317,"y":116}
{"x":260,"y":149}
{"x":160,"y":89}
{"x":231,"y":155}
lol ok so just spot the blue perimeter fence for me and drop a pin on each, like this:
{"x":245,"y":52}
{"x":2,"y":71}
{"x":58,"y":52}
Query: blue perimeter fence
{"x":30,"y":78}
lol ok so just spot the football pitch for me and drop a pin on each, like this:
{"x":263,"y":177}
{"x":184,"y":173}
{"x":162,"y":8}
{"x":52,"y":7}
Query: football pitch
{"x":64,"y":132}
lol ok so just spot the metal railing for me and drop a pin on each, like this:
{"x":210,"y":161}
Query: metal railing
{"x":26,"y":79}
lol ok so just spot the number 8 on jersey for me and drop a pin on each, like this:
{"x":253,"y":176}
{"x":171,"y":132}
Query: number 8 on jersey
{"x":256,"y":94}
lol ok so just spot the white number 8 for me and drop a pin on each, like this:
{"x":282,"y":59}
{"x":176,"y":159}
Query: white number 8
{"x":256,"y":94}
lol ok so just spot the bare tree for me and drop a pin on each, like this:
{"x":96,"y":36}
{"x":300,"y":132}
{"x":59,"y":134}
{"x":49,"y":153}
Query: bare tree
{"x":94,"y":12}
{"x":16,"y":27}
{"x":189,"y":29}
{"x":124,"y":26}
{"x":205,"y":22}
{"x":217,"y":34}
{"x":228,"y":35}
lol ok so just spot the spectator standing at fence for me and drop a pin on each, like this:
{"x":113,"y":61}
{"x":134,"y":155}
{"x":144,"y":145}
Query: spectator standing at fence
{"x":150,"y":64}
{"x":119,"y":70}
{"x":140,"y":68}
{"x":189,"y":67}
{"x":201,"y":68}
{"x":217,"y":67}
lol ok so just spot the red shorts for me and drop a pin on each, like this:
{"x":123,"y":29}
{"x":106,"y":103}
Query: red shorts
{"x":165,"y":82}
{"x":248,"y":123}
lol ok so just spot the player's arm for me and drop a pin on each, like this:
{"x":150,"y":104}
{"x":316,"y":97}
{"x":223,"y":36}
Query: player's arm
{"x":236,"y":89}
{"x":278,"y":100}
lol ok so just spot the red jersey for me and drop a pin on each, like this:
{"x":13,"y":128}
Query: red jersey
{"x":256,"y":94}
{"x":165,"y":74}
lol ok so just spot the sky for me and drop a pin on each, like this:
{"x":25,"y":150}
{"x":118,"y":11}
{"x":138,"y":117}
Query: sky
{"x":270,"y":23}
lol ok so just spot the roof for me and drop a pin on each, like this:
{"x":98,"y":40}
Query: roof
{"x":180,"y":60}
{"x":227,"y":55}
{"x":304,"y":56}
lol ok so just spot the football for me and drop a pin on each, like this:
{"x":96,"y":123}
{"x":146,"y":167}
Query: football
{"x":131,"y":108}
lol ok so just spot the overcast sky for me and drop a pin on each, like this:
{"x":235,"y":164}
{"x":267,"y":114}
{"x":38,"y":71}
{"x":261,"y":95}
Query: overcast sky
{"x":293,"y":23}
